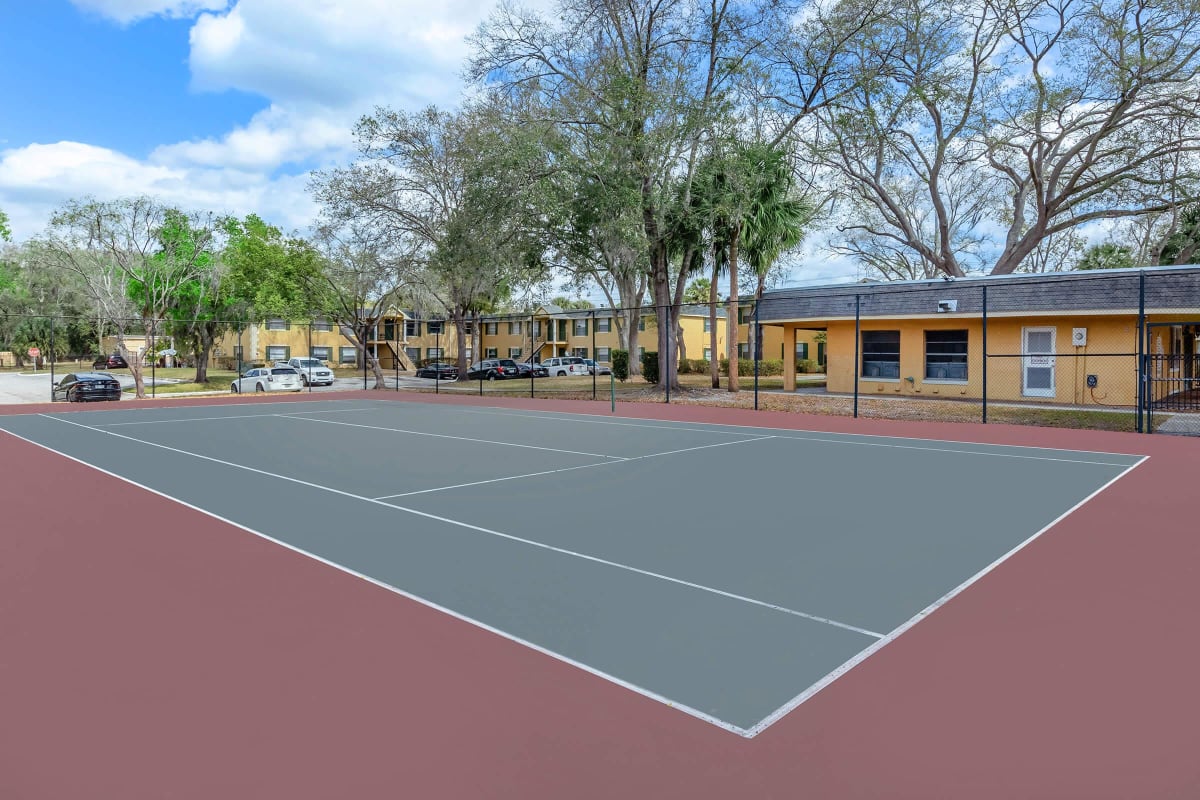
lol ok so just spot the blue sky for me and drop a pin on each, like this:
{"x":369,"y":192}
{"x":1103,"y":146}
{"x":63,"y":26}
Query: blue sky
{"x":72,"y":75}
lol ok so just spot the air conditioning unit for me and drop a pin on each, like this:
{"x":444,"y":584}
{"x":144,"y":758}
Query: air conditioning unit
{"x":1079,"y":337}
{"x":947,"y":305}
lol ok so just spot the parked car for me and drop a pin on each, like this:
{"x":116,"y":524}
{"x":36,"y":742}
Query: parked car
{"x":81,"y":387}
{"x":597,"y":367}
{"x":492,"y":369}
{"x":312,"y":370}
{"x":268,"y":379}
{"x":564,"y":365}
{"x":115,"y":361}
{"x":439,"y":371}
{"x":525,"y":369}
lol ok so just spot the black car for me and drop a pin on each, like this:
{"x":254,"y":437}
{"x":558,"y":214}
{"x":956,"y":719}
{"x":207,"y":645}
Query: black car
{"x":445,"y":372}
{"x":115,"y":361}
{"x":80,"y":387}
{"x":492,"y":369}
{"x":524,"y":369}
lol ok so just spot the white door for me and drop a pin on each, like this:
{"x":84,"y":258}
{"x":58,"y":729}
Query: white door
{"x":1037,"y":374}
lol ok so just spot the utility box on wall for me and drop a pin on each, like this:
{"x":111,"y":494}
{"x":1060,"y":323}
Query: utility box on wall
{"x":1079,"y":336}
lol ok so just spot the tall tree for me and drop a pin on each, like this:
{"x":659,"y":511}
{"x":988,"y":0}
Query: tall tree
{"x":1106,"y":256}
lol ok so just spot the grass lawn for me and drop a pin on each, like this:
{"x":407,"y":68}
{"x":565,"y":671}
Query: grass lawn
{"x":218,"y":380}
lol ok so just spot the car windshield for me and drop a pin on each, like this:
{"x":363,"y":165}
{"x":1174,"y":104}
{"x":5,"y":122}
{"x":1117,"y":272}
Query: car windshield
{"x":310,"y":362}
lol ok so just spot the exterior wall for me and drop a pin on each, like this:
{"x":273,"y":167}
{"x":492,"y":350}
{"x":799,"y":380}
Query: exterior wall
{"x":255,"y":339}
{"x":1108,"y":355}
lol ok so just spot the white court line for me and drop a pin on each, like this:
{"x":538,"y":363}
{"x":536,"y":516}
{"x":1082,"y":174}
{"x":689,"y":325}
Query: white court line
{"x":567,"y":469}
{"x":490,"y":532}
{"x":229,"y":416}
{"x":844,"y":441}
{"x":787,"y":707}
{"x":448,"y":436}
{"x":701,"y":715}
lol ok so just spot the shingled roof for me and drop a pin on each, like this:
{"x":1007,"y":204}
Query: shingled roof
{"x":1167,"y":288}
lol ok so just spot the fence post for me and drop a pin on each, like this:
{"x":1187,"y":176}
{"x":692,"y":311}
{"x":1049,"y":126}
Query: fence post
{"x":757,"y":352}
{"x":437,"y":348}
{"x":153,"y":362}
{"x":308,"y":360}
{"x":532,"y":353}
{"x":985,"y":354}
{"x":1141,"y":420}
{"x":51,"y":356}
{"x":857,"y":340}
{"x":239,"y":357}
{"x":665,"y":369}
{"x":594,"y":367}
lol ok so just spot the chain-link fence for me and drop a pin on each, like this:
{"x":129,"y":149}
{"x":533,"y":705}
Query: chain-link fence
{"x":1116,"y":350}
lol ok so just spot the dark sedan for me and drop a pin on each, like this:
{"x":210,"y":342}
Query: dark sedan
{"x":81,"y":387}
{"x":115,"y":361}
{"x":525,"y":369}
{"x":445,"y":372}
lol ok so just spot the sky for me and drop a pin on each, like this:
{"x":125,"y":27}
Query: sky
{"x":216,"y":105}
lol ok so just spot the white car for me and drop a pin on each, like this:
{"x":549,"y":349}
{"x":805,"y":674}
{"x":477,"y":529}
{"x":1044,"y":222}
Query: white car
{"x":268,"y":379}
{"x":312,"y":370}
{"x":565,"y":365}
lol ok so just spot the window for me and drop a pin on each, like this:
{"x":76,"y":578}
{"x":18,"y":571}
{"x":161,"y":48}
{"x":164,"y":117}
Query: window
{"x":322,"y":353}
{"x":580,"y":352}
{"x":580,"y":327}
{"x":491,"y":328}
{"x":489,"y":352}
{"x":238,"y":352}
{"x":433,"y":328}
{"x":412,"y":328}
{"x":348,"y":355}
{"x":744,"y":350}
{"x":468,"y":329}
{"x":389,"y":329}
{"x":603,"y":354}
{"x":881,"y":354}
{"x":946,"y":355}
{"x":322,"y":325}
{"x":278,"y":352}
{"x":514,"y":352}
{"x":278,"y":325}
{"x":469,"y":354}
{"x":707,"y":325}
{"x":603,"y":324}
{"x":433,"y":352}
{"x":514,"y":329}
{"x":801,"y":351}
{"x":641,"y":323}
{"x":708,"y":354}
{"x":744,"y":314}
{"x":537,"y":329}
{"x":413,"y":353}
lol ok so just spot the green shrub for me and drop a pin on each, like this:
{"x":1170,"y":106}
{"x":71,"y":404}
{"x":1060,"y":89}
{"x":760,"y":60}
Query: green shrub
{"x":804,"y":365}
{"x":620,"y":364}
{"x":650,"y":367}
{"x":693,"y":366}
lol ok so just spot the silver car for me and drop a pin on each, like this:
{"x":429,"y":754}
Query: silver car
{"x":312,"y":370}
{"x":267,"y":379}
{"x":565,"y":365}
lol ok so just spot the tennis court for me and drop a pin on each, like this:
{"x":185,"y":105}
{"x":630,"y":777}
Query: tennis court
{"x":731,"y":572}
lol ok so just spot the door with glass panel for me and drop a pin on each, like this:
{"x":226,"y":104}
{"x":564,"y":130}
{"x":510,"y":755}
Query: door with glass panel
{"x":1037,"y":373}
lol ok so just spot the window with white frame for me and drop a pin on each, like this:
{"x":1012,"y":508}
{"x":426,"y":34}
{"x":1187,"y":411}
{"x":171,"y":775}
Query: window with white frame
{"x":491,"y":328}
{"x":579,"y":327}
{"x":881,"y":354}
{"x":413,"y":353}
{"x":603,"y":324}
{"x":278,"y":325}
{"x":412,"y":328}
{"x":580,"y":352}
{"x":514,"y":352}
{"x":321,"y":324}
{"x":708,"y":354}
{"x":321,"y":353}
{"x":946,"y":355}
{"x":278,"y":352}
{"x":433,"y":328}
{"x":348,"y":355}
{"x":707,"y":325}
{"x":744,"y":350}
{"x":434,"y":352}
{"x":468,"y":328}
{"x":514,"y":329}
{"x":603,"y":353}
{"x":489,"y":352}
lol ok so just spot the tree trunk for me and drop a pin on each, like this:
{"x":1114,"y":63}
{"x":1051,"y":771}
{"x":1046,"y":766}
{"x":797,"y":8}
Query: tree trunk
{"x":714,"y":361}
{"x":460,"y":330}
{"x":135,"y":366}
{"x":731,"y":340}
{"x":206,"y":335}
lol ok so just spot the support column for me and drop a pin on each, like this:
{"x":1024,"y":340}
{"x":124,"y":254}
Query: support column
{"x":789,"y":358}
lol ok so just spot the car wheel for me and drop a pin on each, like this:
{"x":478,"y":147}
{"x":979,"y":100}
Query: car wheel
{"x":258,"y":387}
{"x":303,"y":380}
{"x":233,"y":388}
{"x":491,"y":376}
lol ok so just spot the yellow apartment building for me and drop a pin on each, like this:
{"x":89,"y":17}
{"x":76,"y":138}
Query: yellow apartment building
{"x":1060,"y":338}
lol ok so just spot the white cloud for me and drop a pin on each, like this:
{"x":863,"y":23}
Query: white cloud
{"x":127,"y":11}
